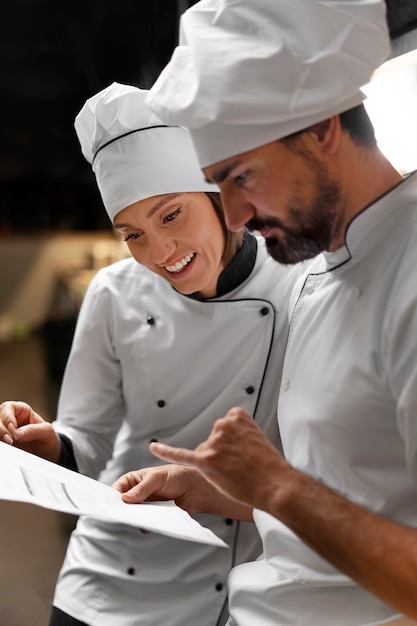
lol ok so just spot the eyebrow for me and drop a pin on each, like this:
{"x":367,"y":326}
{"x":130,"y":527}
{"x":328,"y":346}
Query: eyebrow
{"x":164,"y":200}
{"x":161,"y":202}
{"x":221,"y":174}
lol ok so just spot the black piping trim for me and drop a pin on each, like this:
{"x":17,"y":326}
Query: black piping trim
{"x":365,"y":208}
{"x":332,"y":269}
{"x":271,"y":341}
{"x":232,"y":564}
{"x":131,"y":132}
{"x":260,"y":300}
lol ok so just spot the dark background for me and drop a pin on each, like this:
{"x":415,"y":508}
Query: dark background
{"x":54,"y":54}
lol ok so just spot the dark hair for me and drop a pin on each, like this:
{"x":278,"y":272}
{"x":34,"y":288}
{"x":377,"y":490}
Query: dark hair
{"x":233,"y":240}
{"x":357,"y":123}
{"x":354,"y":121}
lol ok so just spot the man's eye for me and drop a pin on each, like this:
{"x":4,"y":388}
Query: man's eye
{"x":241,"y":178}
{"x":171,"y":216}
{"x":132,"y":236}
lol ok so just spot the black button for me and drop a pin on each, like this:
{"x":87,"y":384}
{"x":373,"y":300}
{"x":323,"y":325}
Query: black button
{"x":153,"y":440}
{"x":264,"y":310}
{"x":161,"y":403}
{"x":131,"y":571}
{"x":250,"y":390}
{"x":218,"y":586}
{"x":228,"y":521}
{"x":151,"y":321}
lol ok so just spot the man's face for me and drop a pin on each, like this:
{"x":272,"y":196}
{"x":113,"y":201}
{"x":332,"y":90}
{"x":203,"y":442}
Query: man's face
{"x":284,"y":190}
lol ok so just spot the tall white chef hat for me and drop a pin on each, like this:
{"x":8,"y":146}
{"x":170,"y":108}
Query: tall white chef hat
{"x":133,"y":153}
{"x":248,"y":72}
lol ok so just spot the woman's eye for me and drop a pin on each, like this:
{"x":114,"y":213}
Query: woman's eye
{"x":133,"y":236}
{"x":171,"y":216}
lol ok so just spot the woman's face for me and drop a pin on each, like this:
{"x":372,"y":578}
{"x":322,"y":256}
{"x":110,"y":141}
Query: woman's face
{"x":177,"y":236}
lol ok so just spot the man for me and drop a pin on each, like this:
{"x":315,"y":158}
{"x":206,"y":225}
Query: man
{"x":287,"y":140}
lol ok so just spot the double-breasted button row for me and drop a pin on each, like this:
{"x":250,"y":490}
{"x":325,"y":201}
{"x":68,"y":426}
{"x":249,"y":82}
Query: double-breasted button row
{"x":151,"y":320}
{"x":250,"y":389}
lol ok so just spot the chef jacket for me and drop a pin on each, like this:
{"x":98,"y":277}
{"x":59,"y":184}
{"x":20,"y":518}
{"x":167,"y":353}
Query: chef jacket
{"x":149,"y":363}
{"x":347,"y":414}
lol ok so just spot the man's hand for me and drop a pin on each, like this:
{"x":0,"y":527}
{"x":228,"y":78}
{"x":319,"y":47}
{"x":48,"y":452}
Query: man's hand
{"x":378,"y":553}
{"x":22,"y":427}
{"x":237,"y":459}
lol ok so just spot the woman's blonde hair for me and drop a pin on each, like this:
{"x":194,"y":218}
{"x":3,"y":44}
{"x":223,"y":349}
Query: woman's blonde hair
{"x":233,"y":240}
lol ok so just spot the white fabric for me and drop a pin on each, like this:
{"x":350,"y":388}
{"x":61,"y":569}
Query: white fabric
{"x":347,"y":414}
{"x":247,"y":73}
{"x":402,"y":621}
{"x":200,"y":358}
{"x":134,"y":155}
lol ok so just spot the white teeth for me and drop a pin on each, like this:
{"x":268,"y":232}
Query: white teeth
{"x":179,"y":265}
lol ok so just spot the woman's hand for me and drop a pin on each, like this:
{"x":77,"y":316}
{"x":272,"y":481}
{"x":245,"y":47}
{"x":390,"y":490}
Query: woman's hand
{"x":22,"y":427}
{"x":237,"y":459}
{"x":190,"y":490}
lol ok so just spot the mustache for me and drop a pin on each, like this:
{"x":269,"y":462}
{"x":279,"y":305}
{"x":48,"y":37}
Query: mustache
{"x":257,"y":223}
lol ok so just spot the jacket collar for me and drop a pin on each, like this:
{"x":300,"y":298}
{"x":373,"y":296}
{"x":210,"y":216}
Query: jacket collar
{"x":238,"y":269}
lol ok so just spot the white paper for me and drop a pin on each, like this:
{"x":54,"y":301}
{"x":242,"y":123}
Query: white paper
{"x":25,"y":477}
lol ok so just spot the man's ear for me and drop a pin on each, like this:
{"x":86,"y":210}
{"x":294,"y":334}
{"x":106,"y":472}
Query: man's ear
{"x":327,"y":133}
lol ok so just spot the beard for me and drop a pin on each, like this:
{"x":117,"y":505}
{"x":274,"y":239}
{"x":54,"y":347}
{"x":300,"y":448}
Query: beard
{"x":313,"y":228}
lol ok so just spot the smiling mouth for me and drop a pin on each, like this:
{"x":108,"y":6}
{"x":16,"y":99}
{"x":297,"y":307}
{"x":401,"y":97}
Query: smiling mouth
{"x":179,"y":265}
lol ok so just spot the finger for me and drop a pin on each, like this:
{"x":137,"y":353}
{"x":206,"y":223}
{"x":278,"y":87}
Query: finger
{"x":7,"y":432}
{"x":125,"y":482}
{"x":8,"y":421}
{"x":18,"y":413}
{"x":8,"y":439}
{"x":174,"y":455}
{"x":144,"y":488}
{"x":26,"y":415}
{"x":134,"y":487}
{"x":33,"y":432}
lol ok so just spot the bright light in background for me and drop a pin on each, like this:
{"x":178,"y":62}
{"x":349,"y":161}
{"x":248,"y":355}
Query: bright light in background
{"x":392,"y":106}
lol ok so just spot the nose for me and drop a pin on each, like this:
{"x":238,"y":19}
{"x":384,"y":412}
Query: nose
{"x":161,"y":249}
{"x":237,"y":210}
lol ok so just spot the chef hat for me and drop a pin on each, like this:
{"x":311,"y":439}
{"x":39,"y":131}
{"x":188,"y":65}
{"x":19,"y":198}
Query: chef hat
{"x":133,"y":153}
{"x":248,"y":72}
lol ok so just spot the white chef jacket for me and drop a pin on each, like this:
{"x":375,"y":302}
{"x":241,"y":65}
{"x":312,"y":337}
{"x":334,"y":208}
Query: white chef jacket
{"x":347,"y":414}
{"x":150,"y":363}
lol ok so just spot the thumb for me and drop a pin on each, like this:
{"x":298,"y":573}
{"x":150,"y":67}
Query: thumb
{"x":42,"y":432}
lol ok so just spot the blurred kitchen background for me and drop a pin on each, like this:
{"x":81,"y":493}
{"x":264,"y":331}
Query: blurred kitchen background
{"x":54,"y":233}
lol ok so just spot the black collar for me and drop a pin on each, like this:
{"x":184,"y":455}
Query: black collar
{"x":238,"y":269}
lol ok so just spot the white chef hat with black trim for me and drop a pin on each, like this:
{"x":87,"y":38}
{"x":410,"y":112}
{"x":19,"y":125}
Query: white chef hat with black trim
{"x":249,"y":72}
{"x":133,"y":153}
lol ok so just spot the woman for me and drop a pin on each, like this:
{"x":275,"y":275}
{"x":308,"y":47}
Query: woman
{"x":165,"y":344}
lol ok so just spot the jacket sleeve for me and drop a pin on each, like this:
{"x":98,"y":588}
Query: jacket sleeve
{"x":91,"y":407}
{"x":67,"y":458}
